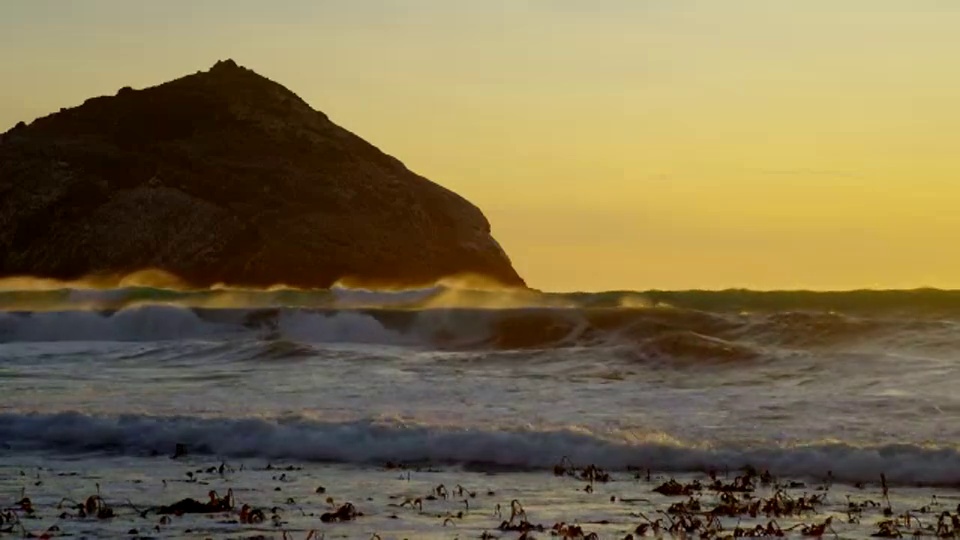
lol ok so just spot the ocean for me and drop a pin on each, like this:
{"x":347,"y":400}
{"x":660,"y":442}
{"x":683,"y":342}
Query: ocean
{"x":298,"y":402}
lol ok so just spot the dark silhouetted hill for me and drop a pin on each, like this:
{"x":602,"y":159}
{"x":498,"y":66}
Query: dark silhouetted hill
{"x":226,"y":177}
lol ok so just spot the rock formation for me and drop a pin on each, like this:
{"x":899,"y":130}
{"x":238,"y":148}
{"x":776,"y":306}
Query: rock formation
{"x":226,"y":177}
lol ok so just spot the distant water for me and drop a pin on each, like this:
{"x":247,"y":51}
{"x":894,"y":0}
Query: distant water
{"x":857,"y":383}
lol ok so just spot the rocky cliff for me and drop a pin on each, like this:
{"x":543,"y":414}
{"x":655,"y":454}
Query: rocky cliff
{"x":226,"y":177}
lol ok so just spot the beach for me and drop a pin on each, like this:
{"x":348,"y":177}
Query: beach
{"x":430,"y":502}
{"x":431,"y":420}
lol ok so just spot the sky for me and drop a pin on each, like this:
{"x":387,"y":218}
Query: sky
{"x":613,"y":144}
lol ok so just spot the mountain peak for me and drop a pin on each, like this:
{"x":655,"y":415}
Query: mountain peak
{"x":227,"y":64}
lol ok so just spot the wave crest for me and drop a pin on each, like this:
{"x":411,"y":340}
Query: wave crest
{"x":376,"y":442}
{"x":649,"y":333}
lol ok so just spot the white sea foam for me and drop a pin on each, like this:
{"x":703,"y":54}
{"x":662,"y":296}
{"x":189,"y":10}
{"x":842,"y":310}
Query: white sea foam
{"x":378,"y":442}
{"x":339,"y":327}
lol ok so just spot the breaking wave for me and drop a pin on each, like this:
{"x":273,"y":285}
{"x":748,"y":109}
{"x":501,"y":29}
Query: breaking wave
{"x":663,"y":333}
{"x":723,"y":326}
{"x":53,"y":296}
{"x":148,"y":323}
{"x":377,"y":442}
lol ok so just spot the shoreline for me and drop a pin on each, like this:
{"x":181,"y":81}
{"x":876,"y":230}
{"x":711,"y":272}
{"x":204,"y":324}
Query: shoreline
{"x":292,"y":498}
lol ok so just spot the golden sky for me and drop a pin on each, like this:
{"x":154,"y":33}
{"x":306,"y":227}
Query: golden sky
{"x":618,"y":144}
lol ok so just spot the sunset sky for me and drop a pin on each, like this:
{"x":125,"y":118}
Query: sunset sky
{"x":618,"y":144}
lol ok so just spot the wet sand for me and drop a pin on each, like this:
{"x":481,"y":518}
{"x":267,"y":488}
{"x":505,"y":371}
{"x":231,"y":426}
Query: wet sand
{"x":436,"y":502}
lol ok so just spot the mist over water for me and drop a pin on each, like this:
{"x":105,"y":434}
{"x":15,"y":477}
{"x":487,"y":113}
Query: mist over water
{"x":802,"y":383}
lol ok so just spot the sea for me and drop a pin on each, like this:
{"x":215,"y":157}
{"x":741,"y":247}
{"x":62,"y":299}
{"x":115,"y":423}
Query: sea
{"x":439,"y":412}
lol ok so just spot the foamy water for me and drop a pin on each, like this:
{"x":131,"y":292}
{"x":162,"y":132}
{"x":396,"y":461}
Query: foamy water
{"x":360,"y":378}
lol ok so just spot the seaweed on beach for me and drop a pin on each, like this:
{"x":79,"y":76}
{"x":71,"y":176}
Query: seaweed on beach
{"x":591,"y":473}
{"x":215,"y":504}
{"x":345,"y":512}
{"x":518,"y":521}
{"x":746,"y":504}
